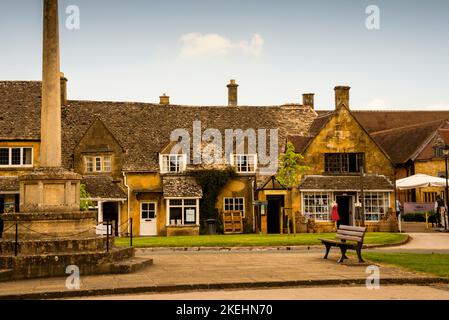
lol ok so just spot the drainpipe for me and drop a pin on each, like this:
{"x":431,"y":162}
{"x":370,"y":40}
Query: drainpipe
{"x":129,"y":198}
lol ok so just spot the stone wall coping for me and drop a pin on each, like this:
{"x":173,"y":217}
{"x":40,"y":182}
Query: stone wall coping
{"x":33,"y":216}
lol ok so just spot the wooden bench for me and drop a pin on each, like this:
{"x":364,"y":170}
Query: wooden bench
{"x":347,"y":238}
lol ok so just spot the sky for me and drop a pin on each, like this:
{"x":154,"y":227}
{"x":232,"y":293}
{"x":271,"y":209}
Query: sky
{"x":136,"y":50}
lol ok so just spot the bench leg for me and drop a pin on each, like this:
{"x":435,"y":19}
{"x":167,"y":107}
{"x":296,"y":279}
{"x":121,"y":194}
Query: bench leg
{"x":328,"y":248}
{"x":343,"y":254}
{"x":359,"y":254}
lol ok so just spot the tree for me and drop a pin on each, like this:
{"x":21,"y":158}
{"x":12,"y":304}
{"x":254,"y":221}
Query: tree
{"x":290,"y":167}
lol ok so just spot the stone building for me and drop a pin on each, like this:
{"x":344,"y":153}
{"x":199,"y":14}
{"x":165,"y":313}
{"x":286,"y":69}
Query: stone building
{"x":130,"y":169}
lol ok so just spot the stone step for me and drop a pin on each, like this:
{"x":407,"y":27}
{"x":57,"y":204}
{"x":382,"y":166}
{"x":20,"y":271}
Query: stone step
{"x":54,"y":265}
{"x":56,"y":246}
{"x":131,"y":265}
{"x":6,"y":274}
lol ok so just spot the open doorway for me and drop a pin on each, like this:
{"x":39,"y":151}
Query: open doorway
{"x":344,"y":210}
{"x":275,"y":203}
{"x":110,"y":213}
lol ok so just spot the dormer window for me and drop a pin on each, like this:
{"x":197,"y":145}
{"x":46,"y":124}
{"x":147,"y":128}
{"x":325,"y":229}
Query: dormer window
{"x":172,"y":163}
{"x":96,"y":164}
{"x":245,"y":163}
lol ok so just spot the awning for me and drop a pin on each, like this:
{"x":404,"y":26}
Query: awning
{"x":9,"y":185}
{"x":420,"y":181}
{"x":103,"y":187}
{"x":181,"y":187}
{"x":346,"y":183}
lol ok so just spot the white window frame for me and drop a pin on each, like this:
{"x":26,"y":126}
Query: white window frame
{"x":94,"y":159}
{"x":183,"y":206}
{"x":317,"y":215}
{"x":234,"y":204}
{"x":386,"y":205}
{"x":148,"y":202}
{"x":21,"y":165}
{"x":235,"y":164}
{"x":164,"y":163}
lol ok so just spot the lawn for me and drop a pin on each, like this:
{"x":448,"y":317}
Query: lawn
{"x":436,"y":264}
{"x":251,"y":240}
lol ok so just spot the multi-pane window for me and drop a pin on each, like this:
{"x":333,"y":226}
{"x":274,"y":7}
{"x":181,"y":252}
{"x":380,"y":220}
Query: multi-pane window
{"x":235,"y":204}
{"x":344,"y":162}
{"x":182,"y":211}
{"x":316,"y":205}
{"x":376,"y":205}
{"x":16,"y":157}
{"x":172,"y":163}
{"x":98,"y":164}
{"x":148,"y":210}
{"x":245,"y":163}
{"x":430,"y":197}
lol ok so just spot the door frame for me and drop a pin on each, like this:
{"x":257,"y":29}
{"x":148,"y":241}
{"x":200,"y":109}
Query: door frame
{"x":156,"y":215}
{"x":281,"y":199}
{"x":350,"y":197}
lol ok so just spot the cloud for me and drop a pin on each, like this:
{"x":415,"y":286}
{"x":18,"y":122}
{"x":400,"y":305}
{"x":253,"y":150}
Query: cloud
{"x":197,"y":44}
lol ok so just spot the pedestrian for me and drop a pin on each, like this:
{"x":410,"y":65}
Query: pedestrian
{"x":398,"y":213}
{"x":439,"y":211}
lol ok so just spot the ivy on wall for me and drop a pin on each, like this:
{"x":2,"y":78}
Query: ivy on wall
{"x":212,"y":182}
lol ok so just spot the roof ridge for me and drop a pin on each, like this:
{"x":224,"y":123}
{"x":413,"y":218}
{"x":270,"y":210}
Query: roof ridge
{"x":408,"y":127}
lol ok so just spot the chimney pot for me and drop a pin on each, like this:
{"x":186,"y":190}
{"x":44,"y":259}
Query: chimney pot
{"x":164,"y":100}
{"x":232,"y":93}
{"x":308,"y":99}
{"x":342,"y":97}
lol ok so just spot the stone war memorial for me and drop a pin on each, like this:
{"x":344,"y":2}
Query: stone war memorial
{"x":50,"y":232}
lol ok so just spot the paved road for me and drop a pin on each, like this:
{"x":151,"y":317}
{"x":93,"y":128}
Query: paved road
{"x":423,"y":243}
{"x":315,"y":293}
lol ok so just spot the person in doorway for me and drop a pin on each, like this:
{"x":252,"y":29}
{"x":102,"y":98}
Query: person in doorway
{"x":334,"y":214}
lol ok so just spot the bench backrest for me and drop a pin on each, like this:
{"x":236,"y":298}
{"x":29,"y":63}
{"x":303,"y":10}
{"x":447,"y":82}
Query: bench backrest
{"x":349,"y":233}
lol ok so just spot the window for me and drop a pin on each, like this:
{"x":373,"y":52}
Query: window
{"x":16,"y":157}
{"x":98,"y":164}
{"x":344,"y":162}
{"x":182,"y":212}
{"x":107,"y":164}
{"x":376,"y":205}
{"x":245,"y":163}
{"x":148,"y":210}
{"x":316,"y":205}
{"x":234,"y":204}
{"x":172,"y":163}
{"x":438,"y":152}
{"x":430,"y":197}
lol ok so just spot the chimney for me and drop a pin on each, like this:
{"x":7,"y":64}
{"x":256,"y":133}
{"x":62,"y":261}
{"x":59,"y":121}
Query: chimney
{"x":342,"y":97}
{"x":232,"y":93}
{"x":63,"y":80}
{"x":308,"y":99}
{"x":164,"y":100}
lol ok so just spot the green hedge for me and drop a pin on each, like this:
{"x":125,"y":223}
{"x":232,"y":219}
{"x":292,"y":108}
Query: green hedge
{"x":417,"y":217}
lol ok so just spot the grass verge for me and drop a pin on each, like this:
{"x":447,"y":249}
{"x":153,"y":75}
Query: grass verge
{"x":252,"y":240}
{"x":435,"y":264}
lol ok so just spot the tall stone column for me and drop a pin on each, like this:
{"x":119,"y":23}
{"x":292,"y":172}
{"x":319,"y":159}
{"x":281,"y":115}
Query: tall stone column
{"x":51,"y":89}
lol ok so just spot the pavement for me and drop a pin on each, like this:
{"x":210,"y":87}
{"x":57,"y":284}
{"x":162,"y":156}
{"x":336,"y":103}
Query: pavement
{"x":176,"y":271}
{"x":404,"y":292}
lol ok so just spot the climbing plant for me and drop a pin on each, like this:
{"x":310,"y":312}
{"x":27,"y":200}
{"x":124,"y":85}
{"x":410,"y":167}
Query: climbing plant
{"x":84,"y":194}
{"x":212,"y":182}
